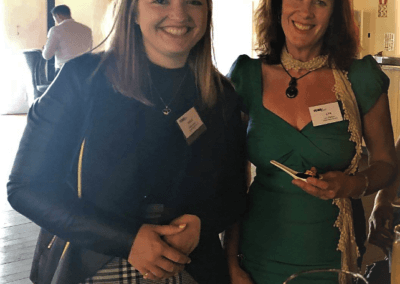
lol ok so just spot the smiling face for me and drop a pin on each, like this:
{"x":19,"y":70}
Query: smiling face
{"x":304,"y":23}
{"x":171,"y":28}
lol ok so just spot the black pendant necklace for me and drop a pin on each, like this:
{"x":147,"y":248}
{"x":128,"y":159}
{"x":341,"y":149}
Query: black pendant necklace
{"x":292,"y":91}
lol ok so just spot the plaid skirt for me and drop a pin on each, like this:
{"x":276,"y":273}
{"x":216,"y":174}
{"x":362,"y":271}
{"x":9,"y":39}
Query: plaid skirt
{"x":119,"y":271}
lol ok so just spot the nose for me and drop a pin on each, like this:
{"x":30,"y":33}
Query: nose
{"x":178,"y":11}
{"x":307,"y":9}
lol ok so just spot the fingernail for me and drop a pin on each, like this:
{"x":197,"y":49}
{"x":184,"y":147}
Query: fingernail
{"x":189,"y":261}
{"x":182,"y":226}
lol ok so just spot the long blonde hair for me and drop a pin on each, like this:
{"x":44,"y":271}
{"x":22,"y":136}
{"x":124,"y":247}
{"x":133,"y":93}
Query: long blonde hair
{"x":125,"y":57}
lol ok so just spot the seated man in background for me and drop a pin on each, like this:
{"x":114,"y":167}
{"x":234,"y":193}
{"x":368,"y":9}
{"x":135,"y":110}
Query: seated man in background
{"x":67,"y":39}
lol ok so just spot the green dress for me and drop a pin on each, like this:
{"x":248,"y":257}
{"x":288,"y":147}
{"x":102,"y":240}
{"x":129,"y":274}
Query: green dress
{"x":287,"y":230}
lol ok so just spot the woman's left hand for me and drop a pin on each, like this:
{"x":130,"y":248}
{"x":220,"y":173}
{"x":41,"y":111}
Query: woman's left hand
{"x":330,"y":185}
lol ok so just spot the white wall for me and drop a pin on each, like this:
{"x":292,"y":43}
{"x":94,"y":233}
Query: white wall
{"x":24,"y":23}
{"x":2,"y":27}
{"x":232,"y":31}
{"x":397,"y":24}
{"x":378,"y":26}
{"x":22,"y":26}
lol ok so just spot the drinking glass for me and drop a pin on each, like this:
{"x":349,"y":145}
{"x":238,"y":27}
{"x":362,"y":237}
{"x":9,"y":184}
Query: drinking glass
{"x":317,"y":276}
{"x":395,"y":266}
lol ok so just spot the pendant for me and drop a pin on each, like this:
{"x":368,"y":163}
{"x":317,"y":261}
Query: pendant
{"x":291,"y":91}
{"x":166,"y":110}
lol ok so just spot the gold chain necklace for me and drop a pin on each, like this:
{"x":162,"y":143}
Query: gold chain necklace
{"x":166,"y":110}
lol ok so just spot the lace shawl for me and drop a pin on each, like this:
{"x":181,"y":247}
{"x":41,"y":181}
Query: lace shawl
{"x":344,"y":93}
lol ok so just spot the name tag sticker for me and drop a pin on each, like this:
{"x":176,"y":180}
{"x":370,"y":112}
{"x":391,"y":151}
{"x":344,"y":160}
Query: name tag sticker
{"x":325,"y":114}
{"x":191,"y":125}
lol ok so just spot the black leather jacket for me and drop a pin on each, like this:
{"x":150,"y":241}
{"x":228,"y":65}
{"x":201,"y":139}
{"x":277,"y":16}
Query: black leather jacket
{"x":75,"y":174}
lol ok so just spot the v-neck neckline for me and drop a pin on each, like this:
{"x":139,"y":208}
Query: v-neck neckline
{"x":265,"y":109}
{"x":285,"y":122}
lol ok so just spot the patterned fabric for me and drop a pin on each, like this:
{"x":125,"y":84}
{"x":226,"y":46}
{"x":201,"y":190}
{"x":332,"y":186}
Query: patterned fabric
{"x":119,"y":271}
{"x":344,"y":93}
{"x":290,"y":63}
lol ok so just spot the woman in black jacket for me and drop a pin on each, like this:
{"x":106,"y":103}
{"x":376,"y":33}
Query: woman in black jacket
{"x":133,"y":160}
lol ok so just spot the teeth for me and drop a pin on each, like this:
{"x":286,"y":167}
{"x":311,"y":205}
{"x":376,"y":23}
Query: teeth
{"x":176,"y":31}
{"x":302,"y":27}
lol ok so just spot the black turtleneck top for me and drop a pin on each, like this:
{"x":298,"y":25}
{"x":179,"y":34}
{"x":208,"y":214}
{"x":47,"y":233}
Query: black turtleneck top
{"x":94,"y":165}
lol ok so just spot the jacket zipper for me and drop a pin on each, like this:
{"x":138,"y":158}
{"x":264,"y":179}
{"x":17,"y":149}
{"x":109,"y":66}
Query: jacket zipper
{"x":65,"y":250}
{"x":79,"y":193}
{"x":80,"y":168}
{"x":52,"y":242}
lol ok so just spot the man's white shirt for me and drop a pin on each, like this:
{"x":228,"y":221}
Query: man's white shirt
{"x":66,"y":41}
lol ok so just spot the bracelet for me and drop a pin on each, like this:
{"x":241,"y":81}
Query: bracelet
{"x":366,"y":186}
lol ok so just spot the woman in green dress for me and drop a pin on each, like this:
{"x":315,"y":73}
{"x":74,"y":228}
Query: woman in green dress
{"x":310,"y":104}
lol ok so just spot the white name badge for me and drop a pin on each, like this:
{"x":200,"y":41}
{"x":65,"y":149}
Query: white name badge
{"x":191,"y":125}
{"x":325,"y":114}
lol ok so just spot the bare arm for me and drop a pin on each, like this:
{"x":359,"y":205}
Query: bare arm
{"x":378,"y":135}
{"x":231,"y":241}
{"x":51,"y":45}
{"x":231,"y":237}
{"x":382,"y":164}
{"x":381,"y":219}
{"x":389,"y":193}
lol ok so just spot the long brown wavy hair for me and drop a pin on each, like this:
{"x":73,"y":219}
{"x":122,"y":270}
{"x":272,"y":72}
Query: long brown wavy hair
{"x":126,"y":63}
{"x":340,"y":41}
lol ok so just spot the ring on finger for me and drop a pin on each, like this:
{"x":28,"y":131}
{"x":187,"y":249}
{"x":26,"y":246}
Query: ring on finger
{"x":146,"y":275}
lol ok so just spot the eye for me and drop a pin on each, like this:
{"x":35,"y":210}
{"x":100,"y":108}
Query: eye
{"x":161,"y":2}
{"x":195,"y":2}
{"x":321,"y":3}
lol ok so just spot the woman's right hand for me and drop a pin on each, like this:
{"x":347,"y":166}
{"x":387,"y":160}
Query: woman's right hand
{"x":153,"y":257}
